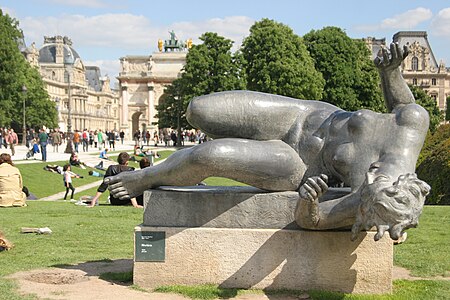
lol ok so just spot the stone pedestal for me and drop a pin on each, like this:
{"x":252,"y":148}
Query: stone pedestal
{"x":212,"y":235}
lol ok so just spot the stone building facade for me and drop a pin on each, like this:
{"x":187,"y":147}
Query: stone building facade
{"x":93,"y":105}
{"x":420,"y":67}
{"x":142,"y":81}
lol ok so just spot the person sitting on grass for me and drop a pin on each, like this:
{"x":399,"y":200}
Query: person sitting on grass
{"x":104,"y":154}
{"x":122,"y":159}
{"x":75,"y":161}
{"x":67,"y":177}
{"x":11,"y":194}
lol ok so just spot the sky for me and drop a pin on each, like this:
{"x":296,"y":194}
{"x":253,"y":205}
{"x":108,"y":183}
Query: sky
{"x":103,"y":31}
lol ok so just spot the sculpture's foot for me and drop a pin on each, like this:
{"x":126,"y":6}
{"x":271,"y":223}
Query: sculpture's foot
{"x":126,"y":185}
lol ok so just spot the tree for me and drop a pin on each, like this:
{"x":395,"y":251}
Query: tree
{"x":171,"y":110}
{"x":277,"y":62}
{"x":210,"y":67}
{"x":447,"y":111}
{"x":351,"y":78}
{"x":423,"y":99}
{"x":16,"y":72}
{"x":434,"y":167}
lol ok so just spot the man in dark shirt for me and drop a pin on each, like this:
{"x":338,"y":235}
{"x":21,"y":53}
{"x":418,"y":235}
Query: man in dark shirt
{"x":123,"y":159}
{"x":43,"y":137}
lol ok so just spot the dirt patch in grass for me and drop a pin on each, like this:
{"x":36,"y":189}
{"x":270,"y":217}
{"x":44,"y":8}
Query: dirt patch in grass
{"x":82,"y":282}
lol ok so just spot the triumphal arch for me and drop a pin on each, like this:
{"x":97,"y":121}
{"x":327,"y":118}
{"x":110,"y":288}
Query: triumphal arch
{"x":142,"y":81}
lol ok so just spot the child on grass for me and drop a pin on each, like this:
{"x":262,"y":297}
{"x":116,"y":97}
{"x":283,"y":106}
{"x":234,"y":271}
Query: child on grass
{"x":67,"y":175}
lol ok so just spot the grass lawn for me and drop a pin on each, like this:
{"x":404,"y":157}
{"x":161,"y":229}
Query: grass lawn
{"x":106,"y":233}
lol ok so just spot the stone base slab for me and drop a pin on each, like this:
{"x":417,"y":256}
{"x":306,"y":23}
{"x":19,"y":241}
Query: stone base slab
{"x":270,"y":259}
{"x":223,"y":207}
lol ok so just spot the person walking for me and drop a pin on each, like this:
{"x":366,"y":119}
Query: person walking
{"x":43,"y":138}
{"x":56,"y":139}
{"x":111,"y":139}
{"x":122,"y":136}
{"x":85,"y":136}
{"x":12,"y":141}
{"x":100,"y":139}
{"x":76,"y":140}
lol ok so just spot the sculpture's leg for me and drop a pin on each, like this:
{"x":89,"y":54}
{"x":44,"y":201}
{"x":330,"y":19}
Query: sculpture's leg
{"x":270,"y":165}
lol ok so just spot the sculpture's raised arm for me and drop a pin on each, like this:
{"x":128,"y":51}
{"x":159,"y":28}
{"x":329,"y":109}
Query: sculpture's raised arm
{"x":395,"y":90}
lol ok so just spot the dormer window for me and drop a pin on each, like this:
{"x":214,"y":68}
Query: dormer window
{"x":415,"y":64}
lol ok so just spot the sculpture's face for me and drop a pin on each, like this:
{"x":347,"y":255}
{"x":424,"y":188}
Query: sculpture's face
{"x":389,"y":205}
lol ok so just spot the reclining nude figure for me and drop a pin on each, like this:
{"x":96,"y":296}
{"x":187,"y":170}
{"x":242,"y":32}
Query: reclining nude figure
{"x":278,"y":143}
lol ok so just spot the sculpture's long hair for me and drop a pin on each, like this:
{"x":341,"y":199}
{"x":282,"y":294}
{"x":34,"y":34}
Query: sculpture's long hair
{"x":395,"y":213}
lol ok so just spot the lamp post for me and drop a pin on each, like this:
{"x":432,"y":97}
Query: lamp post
{"x":69,"y":147}
{"x":24,"y":128}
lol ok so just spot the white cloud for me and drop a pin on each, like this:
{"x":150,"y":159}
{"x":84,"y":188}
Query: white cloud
{"x":81,"y":3}
{"x":128,"y":31}
{"x":110,"y":30}
{"x":440,"y":26}
{"x":125,"y":34}
{"x":404,"y":21}
{"x":234,"y":28}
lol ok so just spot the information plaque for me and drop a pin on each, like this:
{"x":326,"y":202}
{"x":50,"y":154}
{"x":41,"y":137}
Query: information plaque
{"x":150,"y":246}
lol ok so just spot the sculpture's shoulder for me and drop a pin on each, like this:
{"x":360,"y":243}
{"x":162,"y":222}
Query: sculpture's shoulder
{"x":413,"y":116}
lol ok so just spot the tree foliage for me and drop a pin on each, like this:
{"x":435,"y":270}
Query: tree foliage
{"x":16,"y":72}
{"x":277,"y":62}
{"x":434,"y":166}
{"x":423,"y":99}
{"x":210,"y":67}
{"x":351,"y":78}
{"x":447,"y":111}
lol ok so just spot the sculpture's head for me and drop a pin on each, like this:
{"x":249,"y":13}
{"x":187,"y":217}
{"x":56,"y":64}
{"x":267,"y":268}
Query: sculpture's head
{"x":392,"y":206}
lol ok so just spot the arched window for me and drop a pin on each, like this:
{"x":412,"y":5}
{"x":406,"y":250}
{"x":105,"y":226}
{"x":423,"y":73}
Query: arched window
{"x":414,"y":81}
{"x":433,"y":81}
{"x":415,"y":63}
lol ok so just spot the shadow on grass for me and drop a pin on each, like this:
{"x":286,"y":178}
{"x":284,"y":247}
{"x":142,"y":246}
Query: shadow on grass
{"x":119,"y":271}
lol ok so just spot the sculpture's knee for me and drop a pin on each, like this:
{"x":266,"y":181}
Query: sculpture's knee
{"x":194,"y":112}
{"x":206,"y":155}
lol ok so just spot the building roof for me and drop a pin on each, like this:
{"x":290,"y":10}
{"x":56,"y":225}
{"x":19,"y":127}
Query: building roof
{"x":410,"y":37}
{"x":93,"y":76}
{"x":47,"y":54}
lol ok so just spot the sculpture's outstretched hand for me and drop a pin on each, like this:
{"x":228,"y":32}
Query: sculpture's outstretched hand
{"x":311,"y":191}
{"x":391,"y":59}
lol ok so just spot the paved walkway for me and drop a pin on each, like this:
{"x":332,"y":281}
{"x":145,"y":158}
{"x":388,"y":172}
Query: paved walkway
{"x":91,"y":158}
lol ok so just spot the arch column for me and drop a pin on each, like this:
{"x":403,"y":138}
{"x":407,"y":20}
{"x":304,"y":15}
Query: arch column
{"x":124,"y":112}
{"x":151,"y":105}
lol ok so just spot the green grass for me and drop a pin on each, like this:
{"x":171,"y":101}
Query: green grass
{"x":427,"y":249}
{"x":403,"y":290}
{"x":207,"y":291}
{"x":43,"y":183}
{"x":79,"y":234}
